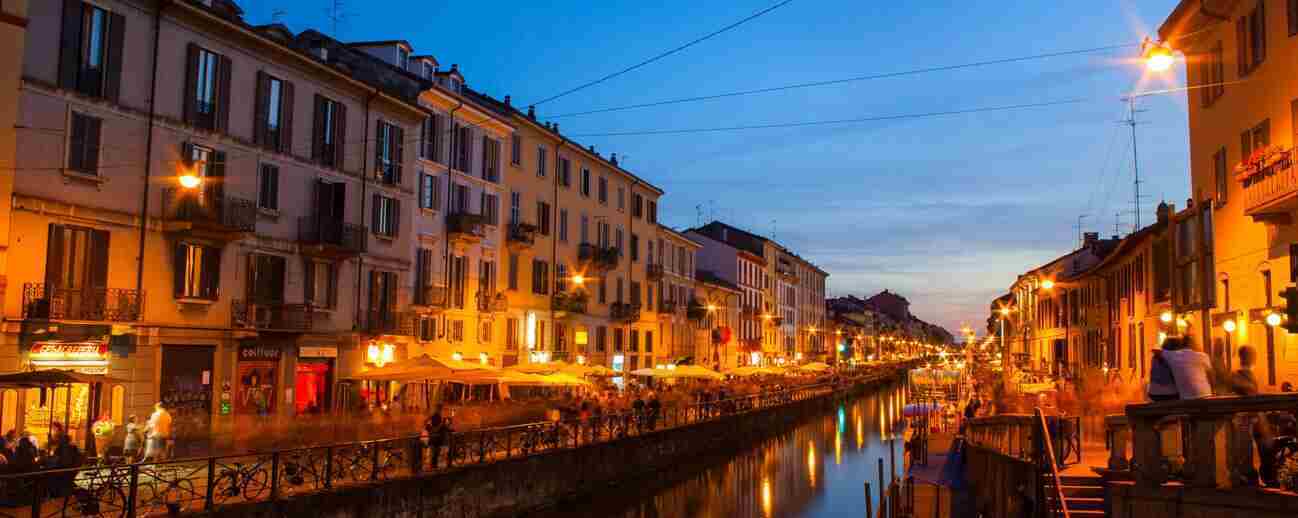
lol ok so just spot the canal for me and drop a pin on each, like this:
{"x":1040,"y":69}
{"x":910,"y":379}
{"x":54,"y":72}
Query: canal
{"x":816,"y":470}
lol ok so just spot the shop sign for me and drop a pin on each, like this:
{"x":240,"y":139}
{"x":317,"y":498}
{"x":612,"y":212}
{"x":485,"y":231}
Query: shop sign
{"x":259,"y":353}
{"x":86,"y":357}
{"x":317,"y":352}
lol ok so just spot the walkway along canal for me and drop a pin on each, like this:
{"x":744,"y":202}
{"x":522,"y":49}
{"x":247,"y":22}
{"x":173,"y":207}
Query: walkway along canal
{"x":493,"y":472}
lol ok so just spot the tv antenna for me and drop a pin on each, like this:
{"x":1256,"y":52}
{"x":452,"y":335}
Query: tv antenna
{"x":337,"y":15}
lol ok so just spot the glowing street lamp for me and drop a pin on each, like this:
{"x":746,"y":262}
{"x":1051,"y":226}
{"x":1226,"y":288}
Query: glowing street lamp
{"x":1158,"y":56}
{"x":1228,"y":326}
{"x":1274,"y":319}
{"x":578,"y":279}
{"x":1165,"y":317}
{"x":1047,"y":284}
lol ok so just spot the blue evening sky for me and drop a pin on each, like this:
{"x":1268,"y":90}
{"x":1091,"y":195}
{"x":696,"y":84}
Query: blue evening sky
{"x":944,"y":210}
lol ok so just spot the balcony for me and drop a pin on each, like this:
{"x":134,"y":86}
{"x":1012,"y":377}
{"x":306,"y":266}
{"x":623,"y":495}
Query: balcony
{"x":492,"y":303}
{"x":207,"y":214}
{"x":570,"y":303}
{"x":654,"y":271}
{"x":273,"y":316}
{"x":624,"y":312}
{"x":522,"y":236}
{"x":45,"y":302}
{"x":596,"y":258}
{"x":786,"y":272}
{"x":389,"y":321}
{"x":1270,"y":185}
{"x":465,"y":228}
{"x":327,"y":237}
{"x":431,"y":297}
{"x":696,"y":311}
{"x":668,"y":307}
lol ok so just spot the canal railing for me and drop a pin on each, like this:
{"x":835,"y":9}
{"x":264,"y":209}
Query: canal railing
{"x":207,"y":483}
{"x":1038,"y":443}
{"x":1200,"y":443}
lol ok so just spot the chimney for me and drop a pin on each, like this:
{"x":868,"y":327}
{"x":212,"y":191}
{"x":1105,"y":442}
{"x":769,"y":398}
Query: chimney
{"x":592,"y":148}
{"x":455,"y":67}
{"x":613,"y":159}
{"x":556,"y":127}
{"x":1164,"y":212}
{"x":531,"y":112}
{"x":507,"y":101}
{"x":1090,"y":238}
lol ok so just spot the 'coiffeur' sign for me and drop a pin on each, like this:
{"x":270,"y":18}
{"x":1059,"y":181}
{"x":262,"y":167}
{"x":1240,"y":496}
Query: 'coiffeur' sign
{"x":259,"y":353}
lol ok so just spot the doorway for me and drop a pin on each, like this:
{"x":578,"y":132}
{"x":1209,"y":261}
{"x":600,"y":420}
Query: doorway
{"x":186,"y":392}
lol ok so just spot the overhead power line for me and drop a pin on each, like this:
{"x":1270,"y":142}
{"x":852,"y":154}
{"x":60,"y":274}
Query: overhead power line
{"x":922,"y":115}
{"x":696,"y":41}
{"x":829,"y":82}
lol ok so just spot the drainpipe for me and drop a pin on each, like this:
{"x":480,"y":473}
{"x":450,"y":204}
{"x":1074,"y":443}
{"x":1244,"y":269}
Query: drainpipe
{"x":148,"y":155}
{"x":446,"y":211}
{"x":365,"y":158}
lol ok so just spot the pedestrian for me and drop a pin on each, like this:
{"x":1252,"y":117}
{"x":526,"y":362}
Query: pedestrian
{"x":134,"y":439}
{"x":655,"y":408}
{"x":1191,"y":369}
{"x":1253,"y":428}
{"x":637,"y":409}
{"x":1162,"y":385}
{"x":438,"y":430}
{"x":158,"y":433}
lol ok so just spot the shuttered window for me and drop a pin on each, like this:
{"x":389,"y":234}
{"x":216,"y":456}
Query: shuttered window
{"x":321,"y":283}
{"x":272,"y":126}
{"x":386,"y":216}
{"x":329,"y":132}
{"x":90,"y":50}
{"x":197,"y":271}
{"x":266,"y":274}
{"x":207,"y":89}
{"x":83,"y":144}
{"x":429,"y":192}
{"x":268,"y":187}
{"x":388,"y":149}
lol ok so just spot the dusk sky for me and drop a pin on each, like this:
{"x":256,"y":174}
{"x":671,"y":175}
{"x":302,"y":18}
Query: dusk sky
{"x":944,"y":210}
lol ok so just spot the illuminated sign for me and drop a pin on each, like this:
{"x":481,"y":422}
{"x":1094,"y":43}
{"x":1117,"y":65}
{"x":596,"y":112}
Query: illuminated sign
{"x":317,"y":352}
{"x":84,"y":357}
{"x":259,"y":353}
{"x":580,"y":337}
{"x":617,"y":362}
{"x":530,"y":331}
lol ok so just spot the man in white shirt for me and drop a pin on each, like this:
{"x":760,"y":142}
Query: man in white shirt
{"x":1191,"y":369}
{"x":159,"y":433}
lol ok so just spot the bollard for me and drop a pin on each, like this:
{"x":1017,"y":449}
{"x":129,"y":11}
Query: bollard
{"x":892,"y":459}
{"x":882,"y":487}
{"x":869,"y":503}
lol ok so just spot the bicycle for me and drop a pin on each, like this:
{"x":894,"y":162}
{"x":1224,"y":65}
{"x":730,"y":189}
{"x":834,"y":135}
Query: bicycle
{"x":252,"y":481}
{"x":99,"y":492}
{"x":164,"y":491}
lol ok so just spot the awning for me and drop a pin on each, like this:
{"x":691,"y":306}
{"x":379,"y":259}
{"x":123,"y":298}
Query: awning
{"x":52,"y":377}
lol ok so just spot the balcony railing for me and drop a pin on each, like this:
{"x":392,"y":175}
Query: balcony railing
{"x":598,"y":258}
{"x":492,"y":303}
{"x":276,"y":316}
{"x":654,"y":271}
{"x":522,"y":235}
{"x":570,"y":302}
{"x":465,"y":226}
{"x":206,"y":210}
{"x":332,"y":235}
{"x":431,"y":296}
{"x":696,"y":311}
{"x":389,"y":321}
{"x":625,"y":312}
{"x":1271,"y":188}
{"x":667,"y":307}
{"x":46,"y":302}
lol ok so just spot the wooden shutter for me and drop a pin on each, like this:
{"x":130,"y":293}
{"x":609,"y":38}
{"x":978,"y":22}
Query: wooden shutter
{"x":376,"y":214}
{"x":379,"y":148}
{"x":331,"y":289}
{"x":261,"y":110}
{"x":390,"y":292}
{"x":215,"y":186}
{"x":77,"y":143}
{"x":70,"y":44}
{"x":374,"y":293}
{"x":97,"y":275}
{"x":189,"y":99}
{"x":113,"y":72}
{"x":340,"y":135}
{"x":286,"y":117}
{"x":90,"y":162}
{"x":211,"y":278}
{"x":308,"y":281}
{"x":1260,"y":52}
{"x":398,"y":151}
{"x":179,"y":263}
{"x":223,"y":93}
{"x":54,"y":258}
{"x":1241,"y":45}
{"x":318,"y":130}
{"x":395,"y":208}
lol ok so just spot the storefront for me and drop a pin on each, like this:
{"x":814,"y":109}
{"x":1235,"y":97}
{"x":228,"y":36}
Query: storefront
{"x":257,"y":376}
{"x":69,"y":404}
{"x":185,"y":389}
{"x":313,"y":379}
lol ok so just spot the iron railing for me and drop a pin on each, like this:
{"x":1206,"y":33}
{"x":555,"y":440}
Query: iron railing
{"x":207,"y":208}
{"x":574,"y":302}
{"x":597,"y":258}
{"x":272,"y":315}
{"x":464,"y":225}
{"x":206,"y":484}
{"x":44,"y":301}
{"x":625,"y":312}
{"x":654,"y":271}
{"x":343,"y":237}
{"x":522,"y":235}
{"x":389,"y":321}
{"x":431,"y":296}
{"x":492,"y":303}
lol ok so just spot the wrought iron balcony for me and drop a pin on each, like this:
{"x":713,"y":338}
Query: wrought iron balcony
{"x":1270,"y":185}
{"x":492,"y":303}
{"x":574,"y":302}
{"x":654,"y":271}
{"x":596,"y":258}
{"x":786,"y":272}
{"x":389,"y":321}
{"x":207,"y":213}
{"x":435,"y":297}
{"x":46,"y":302}
{"x":667,"y":307}
{"x":522,"y":235}
{"x":696,"y":311}
{"x":331,"y":237}
{"x":465,"y":227}
{"x":273,"y":316}
{"x":625,"y":312}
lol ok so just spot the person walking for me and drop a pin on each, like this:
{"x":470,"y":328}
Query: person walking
{"x":438,"y":429}
{"x":655,"y":409}
{"x":134,"y":439}
{"x":158,"y":433}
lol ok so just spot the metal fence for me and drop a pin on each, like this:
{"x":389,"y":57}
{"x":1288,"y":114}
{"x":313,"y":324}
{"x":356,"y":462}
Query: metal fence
{"x":203,"y":484}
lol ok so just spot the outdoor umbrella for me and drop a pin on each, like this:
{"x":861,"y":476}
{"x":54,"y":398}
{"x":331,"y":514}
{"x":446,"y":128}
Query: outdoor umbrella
{"x":541,"y":368}
{"x":815,"y":367}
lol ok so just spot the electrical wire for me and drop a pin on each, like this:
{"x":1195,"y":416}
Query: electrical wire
{"x":662,"y":55}
{"x":870,"y":77}
{"x":905,"y":116}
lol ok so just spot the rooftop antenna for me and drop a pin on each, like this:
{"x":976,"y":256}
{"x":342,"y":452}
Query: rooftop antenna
{"x":773,"y":231}
{"x":1081,"y":238}
{"x":1117,"y":224}
{"x":1135,"y":156}
{"x":698,"y":215}
{"x":337,"y":15}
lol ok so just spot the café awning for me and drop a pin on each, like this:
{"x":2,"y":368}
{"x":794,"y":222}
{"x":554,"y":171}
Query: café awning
{"x":52,"y":377}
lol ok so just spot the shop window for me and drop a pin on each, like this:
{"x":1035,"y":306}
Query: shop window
{"x":117,"y":405}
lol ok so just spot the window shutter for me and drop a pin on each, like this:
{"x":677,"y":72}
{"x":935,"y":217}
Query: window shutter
{"x":331,"y":274}
{"x":390,"y":291}
{"x":376,"y":214}
{"x":223,"y":94}
{"x":70,"y":44}
{"x":113,"y":72}
{"x":374,"y":291}
{"x":250,"y":282}
{"x":216,"y":169}
{"x":398,"y":151}
{"x":98,"y":275}
{"x":340,"y":135}
{"x":1241,"y":45}
{"x":54,"y":257}
{"x":179,"y":264}
{"x":379,"y":148}
{"x":318,"y":130}
{"x":77,"y":143}
{"x":261,"y":110}
{"x":211,"y":280}
{"x":286,"y":117}
{"x":395,"y":218}
{"x":273,"y":187}
{"x":308,"y":281}
{"x":1260,"y":51}
{"x":91,"y":144}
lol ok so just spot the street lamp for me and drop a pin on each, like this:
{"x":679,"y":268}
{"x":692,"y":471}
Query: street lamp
{"x":1158,"y":56}
{"x":1047,"y":284}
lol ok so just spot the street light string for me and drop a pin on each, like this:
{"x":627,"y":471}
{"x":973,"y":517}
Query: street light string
{"x":662,"y":55}
{"x":828,"y":82}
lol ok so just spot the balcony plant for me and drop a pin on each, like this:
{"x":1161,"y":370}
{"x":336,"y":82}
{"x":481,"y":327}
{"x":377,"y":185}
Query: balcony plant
{"x":1259,"y":160}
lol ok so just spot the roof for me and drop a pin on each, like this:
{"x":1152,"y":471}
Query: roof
{"x":678,"y":235}
{"x":379,"y":43}
{"x":748,"y":241}
{"x":1127,"y":244}
{"x":509,"y":109}
{"x":707,"y":277}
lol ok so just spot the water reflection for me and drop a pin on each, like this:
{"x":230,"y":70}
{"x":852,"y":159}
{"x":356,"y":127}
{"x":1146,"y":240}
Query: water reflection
{"x":788,"y":475}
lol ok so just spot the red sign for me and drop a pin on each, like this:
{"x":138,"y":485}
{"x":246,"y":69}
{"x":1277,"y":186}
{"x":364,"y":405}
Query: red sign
{"x":69,"y":351}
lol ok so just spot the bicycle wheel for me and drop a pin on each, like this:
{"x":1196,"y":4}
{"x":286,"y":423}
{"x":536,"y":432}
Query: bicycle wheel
{"x":256,"y":485}
{"x":225,"y":486}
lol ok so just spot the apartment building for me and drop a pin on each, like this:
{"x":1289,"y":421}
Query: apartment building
{"x":671,"y":267}
{"x":13,"y":36}
{"x":716,"y":311}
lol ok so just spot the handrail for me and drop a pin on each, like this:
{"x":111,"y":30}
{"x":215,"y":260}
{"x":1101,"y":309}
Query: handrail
{"x":1049,"y":450}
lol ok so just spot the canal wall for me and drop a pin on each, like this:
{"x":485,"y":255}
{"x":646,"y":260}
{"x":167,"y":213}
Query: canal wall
{"x":1000,"y":486}
{"x":518,"y":486}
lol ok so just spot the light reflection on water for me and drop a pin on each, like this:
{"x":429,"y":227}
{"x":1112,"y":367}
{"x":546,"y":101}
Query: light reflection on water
{"x":787,"y":475}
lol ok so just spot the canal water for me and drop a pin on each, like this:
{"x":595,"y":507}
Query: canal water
{"x":816,"y":470}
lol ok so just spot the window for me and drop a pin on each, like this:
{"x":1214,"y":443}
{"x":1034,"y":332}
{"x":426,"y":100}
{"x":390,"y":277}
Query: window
{"x":648,"y":341}
{"x":1255,"y":138}
{"x":321,"y":283}
{"x":403,"y":58}
{"x":635,"y":248}
{"x":428,"y":70}
{"x":424,"y":277}
{"x":637,"y":205}
{"x":635,"y":340}
{"x":463,"y":159}
{"x":490,"y":159}
{"x":207,"y":97}
{"x":585,"y":229}
{"x":653,"y":212}
{"x":387,"y":215}
{"x":619,"y":298}
{"x":618,"y":241}
{"x":585,"y":182}
{"x":273,"y":121}
{"x":1250,"y":31}
{"x":430,"y":143}
{"x":457,"y":330}
{"x":388,"y":148}
{"x":602,"y":293}
{"x":603,"y":191}
{"x":565,"y":172}
{"x":198,"y":271}
{"x":540,"y":161}
{"x":329,"y":132}
{"x":90,"y":59}
{"x":515,"y":208}
{"x":459,"y":280}
{"x":1220,"y":176}
{"x":484,"y":332}
{"x":601,"y":339}
{"x":513,"y":272}
{"x":268,"y":187}
{"x":1212,"y":76}
{"x":515,"y":149}
{"x":563,"y":225}
{"x":460,"y":199}
{"x":560,"y":337}
{"x":430,"y":192}
{"x":635,"y":292}
{"x":511,"y":334}
{"x":560,"y":278}
{"x":490,"y":209}
{"x":427,"y":328}
{"x":266,"y":278}
{"x":540,"y":276}
{"x":617,"y":340}
{"x":83,"y":144}
{"x":621,"y":198}
{"x":486,"y":278}
{"x":543,"y":217}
